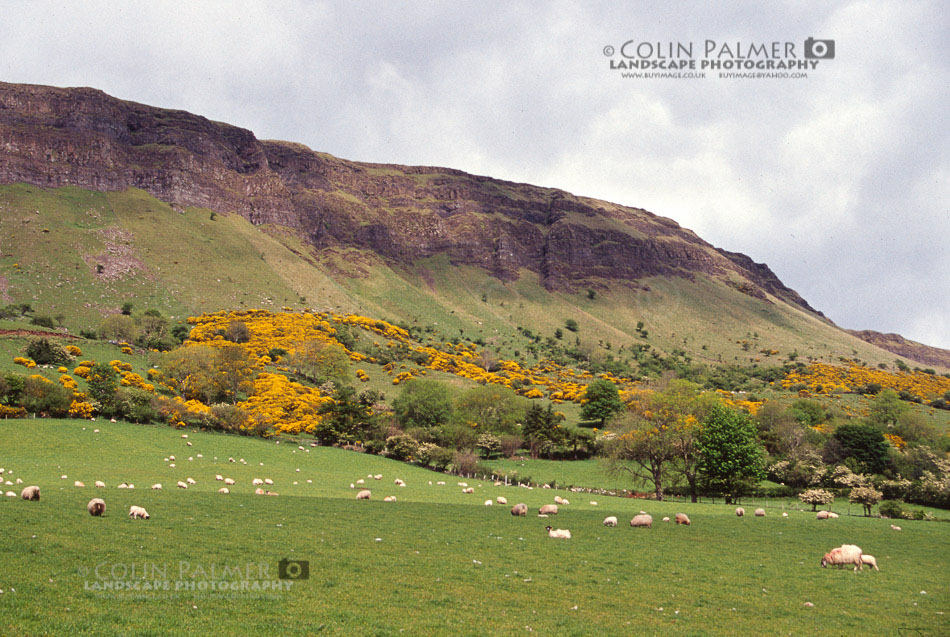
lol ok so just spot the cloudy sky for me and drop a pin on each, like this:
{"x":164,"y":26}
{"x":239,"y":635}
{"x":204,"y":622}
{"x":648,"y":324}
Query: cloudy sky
{"x":839,"y":180}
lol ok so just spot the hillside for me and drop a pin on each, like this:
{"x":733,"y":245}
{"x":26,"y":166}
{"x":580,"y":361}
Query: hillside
{"x":171,"y":210}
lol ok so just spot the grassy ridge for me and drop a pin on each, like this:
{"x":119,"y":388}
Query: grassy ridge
{"x":444,"y":562}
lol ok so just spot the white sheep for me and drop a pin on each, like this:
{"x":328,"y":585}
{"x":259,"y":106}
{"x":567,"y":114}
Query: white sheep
{"x":190,"y":481}
{"x":610,"y":520}
{"x":10,"y":494}
{"x":364,"y":494}
{"x":31,"y":493}
{"x":666,"y":519}
{"x":137,"y":512}
{"x":361,"y":481}
{"x":759,"y":513}
{"x":642,"y":520}
{"x":441,"y":483}
{"x":823,"y":515}
{"x":172,"y":458}
{"x":501,"y":500}
{"x":229,"y":481}
{"x":558,"y":499}
{"x":682,"y":518}
{"x":131,"y":486}
{"x":259,"y":491}
{"x":224,"y":490}
{"x":100,"y":484}
{"x":219,"y":477}
{"x":399,"y":483}
{"x":896,"y":528}
{"x":469,"y":490}
{"x":182,"y":485}
{"x":268,"y":481}
{"x":845,"y":554}
{"x":389,"y":498}
{"x":122,"y":486}
{"x":548,"y":509}
{"x":520,"y":509}
{"x":869,"y":561}
{"x":832,"y":515}
{"x":593,"y":503}
{"x":77,"y":483}
{"x":562,"y":534}
{"x":740,"y":512}
{"x":378,"y":476}
{"x":489,"y":503}
{"x":96,"y":507}
{"x":257,"y":482}
{"x":157,"y":486}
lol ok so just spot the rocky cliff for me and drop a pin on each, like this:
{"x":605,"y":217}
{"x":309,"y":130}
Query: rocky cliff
{"x":54,"y":137}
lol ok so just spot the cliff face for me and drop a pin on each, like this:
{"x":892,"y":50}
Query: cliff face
{"x":54,"y":137}
{"x":901,"y":346}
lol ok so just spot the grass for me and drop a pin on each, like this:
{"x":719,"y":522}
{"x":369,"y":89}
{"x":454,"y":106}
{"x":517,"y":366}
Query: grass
{"x":443,"y":562}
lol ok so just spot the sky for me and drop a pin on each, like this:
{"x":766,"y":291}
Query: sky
{"x":839,"y":181}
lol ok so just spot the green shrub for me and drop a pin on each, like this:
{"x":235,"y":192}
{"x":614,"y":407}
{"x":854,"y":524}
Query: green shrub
{"x":44,"y":352}
{"x":401,"y":446}
{"x":41,"y":396}
{"x":891,"y":509}
{"x":43,"y":321}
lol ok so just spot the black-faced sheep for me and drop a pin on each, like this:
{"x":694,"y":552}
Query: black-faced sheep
{"x":740,"y":512}
{"x":642,"y":520}
{"x":96,"y":507}
{"x":562,"y":534}
{"x":30,"y":493}
{"x":520,"y":509}
{"x":682,"y":518}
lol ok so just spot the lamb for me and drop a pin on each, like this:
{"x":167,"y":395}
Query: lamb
{"x":682,"y":518}
{"x":31,"y":493}
{"x":501,"y":500}
{"x":77,"y":483}
{"x":666,"y":519}
{"x":740,"y":512}
{"x":642,"y":520}
{"x":759,"y":513}
{"x":364,"y":494}
{"x":784,"y":514}
{"x":96,"y":507}
{"x":562,"y":534}
{"x":157,"y":486}
{"x":843,"y":555}
{"x":100,"y":484}
{"x":182,"y":485}
{"x":610,"y":520}
{"x":520,"y":509}
{"x":870,"y":561}
{"x":136,"y":512}
{"x":823,"y":515}
{"x":122,"y":486}
{"x":548,"y":509}
{"x":378,"y":476}
{"x":229,"y":481}
{"x":10,"y":494}
{"x":190,"y":481}
{"x":224,"y":490}
{"x":489,"y":503}
{"x":558,"y":499}
{"x":361,"y":481}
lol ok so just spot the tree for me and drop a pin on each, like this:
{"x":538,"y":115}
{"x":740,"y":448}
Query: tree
{"x":730,"y":458}
{"x":887,"y":409}
{"x":571,"y":325}
{"x":495,"y":407}
{"x":210,"y":374}
{"x":814,"y":497}
{"x":347,"y":418}
{"x":601,"y":401}
{"x":238,"y":332}
{"x":127,"y":308}
{"x":642,"y":451}
{"x":319,"y":362}
{"x":866,"y":496}
{"x":542,"y":429}
{"x":43,"y":352}
{"x":866,"y":444}
{"x":424,"y":403}
{"x":102,"y":384}
{"x":118,"y":327}
{"x":489,"y":444}
{"x":808,"y":412}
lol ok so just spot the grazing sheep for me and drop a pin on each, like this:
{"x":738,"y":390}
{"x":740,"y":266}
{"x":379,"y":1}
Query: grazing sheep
{"x":10,"y":494}
{"x":501,"y":500}
{"x":666,"y":519}
{"x":96,"y":507}
{"x":759,"y":513}
{"x":469,"y":490}
{"x":30,"y":493}
{"x":182,"y":485}
{"x":138,"y":513}
{"x":131,"y":486}
{"x":548,"y":509}
{"x":399,"y":483}
{"x":157,"y":486}
{"x":740,"y":512}
{"x":224,"y":490}
{"x":610,"y":521}
{"x":845,"y":554}
{"x":230,"y":459}
{"x":562,"y":534}
{"x":100,"y":484}
{"x":869,"y":561}
{"x":364,"y":494}
{"x":268,"y":481}
{"x":378,"y":476}
{"x":361,"y":481}
{"x":259,"y":491}
{"x":256,"y":482}
{"x":463,"y":484}
{"x":832,"y":515}
{"x":441,"y":483}
{"x":823,"y":515}
{"x":229,"y":481}
{"x":489,"y":503}
{"x":219,"y":478}
{"x":171,"y":466}
{"x":172,"y":458}
{"x":542,"y":515}
{"x":190,"y":481}
{"x":184,"y":435}
{"x":389,"y":498}
{"x":896,"y":528}
{"x":352,"y":486}
{"x":62,"y":477}
{"x":558,"y":499}
{"x":643,"y":519}
{"x":122,"y":486}
{"x":77,"y":483}
{"x":520,"y":509}
{"x":682,"y":518}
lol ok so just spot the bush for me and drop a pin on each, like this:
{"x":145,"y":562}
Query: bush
{"x":510,"y":445}
{"x":401,"y":446}
{"x":464,"y":462}
{"x":229,"y":418}
{"x":489,"y":444}
{"x":42,"y":396}
{"x":43,"y":352}
{"x":43,"y":321}
{"x":891,"y":509}
{"x":135,"y":405}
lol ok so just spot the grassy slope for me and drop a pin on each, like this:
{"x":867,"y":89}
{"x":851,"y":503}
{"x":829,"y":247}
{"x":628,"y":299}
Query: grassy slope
{"x":187,"y":263}
{"x":444,"y":561}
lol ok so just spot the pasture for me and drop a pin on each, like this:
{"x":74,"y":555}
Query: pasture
{"x":436,"y":560}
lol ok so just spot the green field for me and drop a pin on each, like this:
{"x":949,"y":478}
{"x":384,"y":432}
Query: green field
{"x":434,"y":561}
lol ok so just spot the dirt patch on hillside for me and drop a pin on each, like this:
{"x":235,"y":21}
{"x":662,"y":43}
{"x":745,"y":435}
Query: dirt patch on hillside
{"x":4,"y":286}
{"x":118,"y":260}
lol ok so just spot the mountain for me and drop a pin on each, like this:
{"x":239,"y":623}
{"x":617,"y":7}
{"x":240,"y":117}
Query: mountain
{"x":149,"y":189}
{"x":905,"y":347}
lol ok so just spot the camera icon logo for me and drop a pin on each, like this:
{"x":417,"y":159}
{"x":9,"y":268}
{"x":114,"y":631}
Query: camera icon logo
{"x":819,"y":49}
{"x":293,"y":569}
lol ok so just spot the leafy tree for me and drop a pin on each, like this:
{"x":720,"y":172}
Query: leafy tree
{"x":489,"y":444}
{"x":319,"y":362}
{"x":642,"y":451}
{"x":210,"y":374}
{"x":542,"y":429}
{"x":814,"y":497}
{"x":601,"y":401}
{"x":401,"y":446}
{"x":730,"y":458}
{"x":558,"y":333}
{"x":866,"y":444}
{"x":102,"y":384}
{"x":41,"y":396}
{"x":127,"y":308}
{"x":571,"y":325}
{"x":238,"y":332}
{"x":43,"y":321}
{"x":118,"y":327}
{"x":347,"y":418}
{"x":866,"y":496}
{"x":424,"y":403}
{"x":43,"y":352}
{"x":886,"y":409}
{"x":808,"y":412}
{"x":494,"y":407}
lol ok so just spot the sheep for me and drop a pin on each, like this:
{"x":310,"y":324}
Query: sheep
{"x":270,"y":493}
{"x":682,"y":518}
{"x":219,"y":478}
{"x":10,"y":494}
{"x":823,"y":515}
{"x":259,"y":491}
{"x":643,"y":519}
{"x":759,"y":513}
{"x":666,"y":519}
{"x":256,"y":482}
{"x":843,"y":555}
{"x":378,"y":476}
{"x":77,"y":483}
{"x":352,"y":486}
{"x":172,"y":458}
{"x":268,"y":481}
{"x":463,"y":484}
{"x":870,"y":561}
{"x":593,"y":503}
{"x":229,"y":481}
{"x":832,"y":515}
{"x":157,"y":486}
{"x":230,"y":459}
{"x":389,"y":498}
{"x":122,"y":486}
{"x":224,"y":490}
{"x":469,"y":490}
{"x":182,"y":485}
{"x":30,"y":493}
{"x":131,"y":486}
{"x":190,"y":481}
{"x":441,"y":483}
{"x":562,"y":534}
{"x":96,"y":507}
{"x":100,"y":484}
{"x":489,"y":503}
{"x":136,"y":512}
{"x":784,"y":514}
{"x":558,"y":499}
{"x":361,"y":481}
{"x":62,"y":477}
{"x":740,"y":512}
{"x":501,"y":500}
{"x":520,"y":509}
{"x":610,"y":520}
{"x":548,"y":509}
{"x":399,"y":483}
{"x":896,"y":528}
{"x":364,"y":494}
{"x":184,"y":435}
